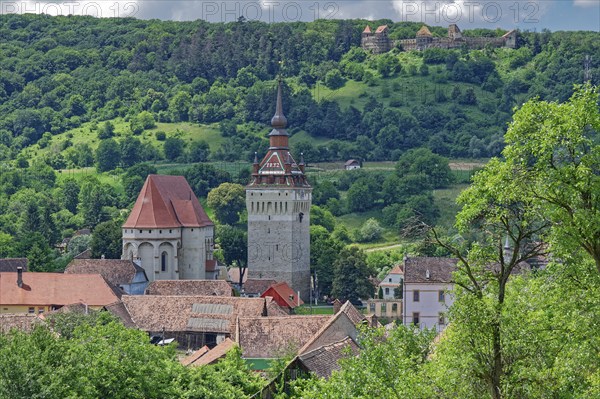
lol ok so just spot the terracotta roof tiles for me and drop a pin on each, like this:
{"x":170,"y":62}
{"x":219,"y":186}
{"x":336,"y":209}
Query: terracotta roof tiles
{"x":325,"y":359}
{"x":164,"y":202}
{"x":55,"y":289}
{"x":272,"y":337}
{"x":190,"y":288}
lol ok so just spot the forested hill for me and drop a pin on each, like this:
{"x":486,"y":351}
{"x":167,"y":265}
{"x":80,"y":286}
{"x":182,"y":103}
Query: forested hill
{"x":60,"y":73}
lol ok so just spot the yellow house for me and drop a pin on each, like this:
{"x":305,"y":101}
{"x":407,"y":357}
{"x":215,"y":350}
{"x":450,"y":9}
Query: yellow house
{"x":35,"y":293}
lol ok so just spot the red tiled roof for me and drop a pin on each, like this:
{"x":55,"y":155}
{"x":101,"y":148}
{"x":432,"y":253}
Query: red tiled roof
{"x":381,"y":28}
{"x":396,"y":270}
{"x":167,"y":201}
{"x":424,"y":31}
{"x":367,"y":29}
{"x":55,"y":289}
{"x":211,"y":356}
{"x":285,"y":292}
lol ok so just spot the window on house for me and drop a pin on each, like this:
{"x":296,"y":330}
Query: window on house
{"x":383,"y":307}
{"x":387,"y":291}
{"x":163,"y":261}
{"x":441,"y":296}
{"x":40,"y":310}
{"x":441,"y":319}
{"x":394,"y":308}
{"x":415,"y":318}
{"x":372,"y":307}
{"x":390,"y":279}
{"x":416,"y":296}
{"x":31,"y":310}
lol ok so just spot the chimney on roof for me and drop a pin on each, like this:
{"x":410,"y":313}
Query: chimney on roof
{"x":337,"y":305}
{"x":427,"y":274}
{"x":20,"y":276}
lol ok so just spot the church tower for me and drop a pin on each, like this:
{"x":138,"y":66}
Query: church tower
{"x":278,"y":200}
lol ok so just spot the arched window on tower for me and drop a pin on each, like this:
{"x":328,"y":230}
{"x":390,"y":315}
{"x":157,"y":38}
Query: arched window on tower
{"x":301,"y":216}
{"x":163,"y":261}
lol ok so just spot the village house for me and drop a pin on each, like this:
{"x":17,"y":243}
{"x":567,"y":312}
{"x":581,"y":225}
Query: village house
{"x":427,"y":282}
{"x":23,"y":322}
{"x":168,"y":232}
{"x":255,"y":287}
{"x":124,"y":274}
{"x":391,"y":285}
{"x":320,"y":354}
{"x":352,"y":164}
{"x":37,"y":293}
{"x":284,"y":296}
{"x":194,"y":321}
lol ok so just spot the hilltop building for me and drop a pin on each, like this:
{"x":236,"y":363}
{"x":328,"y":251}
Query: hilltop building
{"x":168,"y":233}
{"x":378,"y":42}
{"x":278,"y":199}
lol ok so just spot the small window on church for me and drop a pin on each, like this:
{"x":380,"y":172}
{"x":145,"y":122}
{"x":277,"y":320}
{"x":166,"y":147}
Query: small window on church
{"x":268,"y":231}
{"x":163,"y":261}
{"x":149,"y":231}
{"x":276,"y":247}
{"x":170,"y":231}
{"x":300,"y":217}
{"x":159,"y":231}
{"x":140,"y":231}
{"x":192,"y":229}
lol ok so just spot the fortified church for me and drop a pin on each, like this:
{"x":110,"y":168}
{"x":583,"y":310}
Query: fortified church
{"x":171,"y":237}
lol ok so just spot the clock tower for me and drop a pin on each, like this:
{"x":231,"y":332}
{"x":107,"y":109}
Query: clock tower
{"x":278,"y":199}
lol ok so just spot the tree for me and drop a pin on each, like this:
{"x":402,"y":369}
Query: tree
{"x":553,"y":147}
{"x":173,"y":148}
{"x":106,"y":130}
{"x":369,"y":231}
{"x":322,"y":217}
{"x":324,"y":250}
{"x":106,"y":240}
{"x":108,"y":155}
{"x":334,"y":79}
{"x":361,"y":196}
{"x":233,"y":243}
{"x":351,"y":276}
{"x":227,"y":201}
{"x":391,"y":365}
{"x":199,"y":151}
{"x":130,"y":151}
{"x":496,"y":206}
{"x":422,"y":161}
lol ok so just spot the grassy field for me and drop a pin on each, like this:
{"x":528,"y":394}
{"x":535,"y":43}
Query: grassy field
{"x":86,"y":134}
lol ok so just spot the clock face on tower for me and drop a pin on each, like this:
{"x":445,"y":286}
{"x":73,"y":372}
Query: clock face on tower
{"x":254,"y":253}
{"x":292,"y":252}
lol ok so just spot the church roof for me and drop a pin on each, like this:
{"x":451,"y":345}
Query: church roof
{"x":424,"y":31}
{"x":164,"y":202}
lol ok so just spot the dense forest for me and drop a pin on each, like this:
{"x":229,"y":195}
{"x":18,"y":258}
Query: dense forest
{"x":78,"y":92}
{"x":57,"y":73}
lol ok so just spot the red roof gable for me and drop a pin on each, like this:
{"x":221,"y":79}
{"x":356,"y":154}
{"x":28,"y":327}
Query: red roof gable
{"x":167,"y":201}
{"x":367,"y":29}
{"x":283,"y":294}
{"x":381,"y":28}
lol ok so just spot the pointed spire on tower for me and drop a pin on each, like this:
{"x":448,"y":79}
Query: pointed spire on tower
{"x":279,"y":121}
{"x":255,"y":157}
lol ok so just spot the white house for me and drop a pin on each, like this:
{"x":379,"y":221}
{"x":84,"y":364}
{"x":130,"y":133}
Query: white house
{"x":427,"y":282}
{"x":394,"y":279}
{"x":352,"y":164}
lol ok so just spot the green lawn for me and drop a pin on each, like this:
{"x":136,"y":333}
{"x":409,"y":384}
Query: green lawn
{"x":85,"y":135}
{"x":445,"y":199}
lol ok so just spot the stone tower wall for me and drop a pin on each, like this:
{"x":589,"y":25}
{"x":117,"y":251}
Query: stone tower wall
{"x":278,"y":241}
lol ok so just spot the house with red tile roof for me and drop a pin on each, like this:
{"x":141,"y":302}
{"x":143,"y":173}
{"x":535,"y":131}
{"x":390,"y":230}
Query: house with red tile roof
{"x":284,"y":296}
{"x":24,"y":292}
{"x":169,"y":232}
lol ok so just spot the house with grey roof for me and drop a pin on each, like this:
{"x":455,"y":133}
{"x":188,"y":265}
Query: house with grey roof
{"x":427,"y":285}
{"x":125,"y":275}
